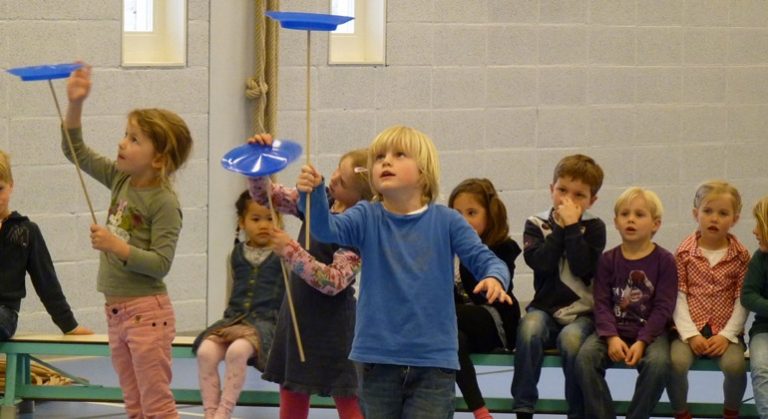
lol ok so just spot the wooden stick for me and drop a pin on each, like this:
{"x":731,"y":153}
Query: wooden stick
{"x":295,"y":322}
{"x":72,"y":151}
{"x":309,"y":195}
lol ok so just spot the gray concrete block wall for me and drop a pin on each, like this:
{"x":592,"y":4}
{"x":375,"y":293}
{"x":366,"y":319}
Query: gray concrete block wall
{"x":663,"y":94}
{"x":47,"y":189}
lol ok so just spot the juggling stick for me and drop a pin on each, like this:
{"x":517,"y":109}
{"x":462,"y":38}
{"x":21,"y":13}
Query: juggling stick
{"x":308,"y":22}
{"x":49,"y":72}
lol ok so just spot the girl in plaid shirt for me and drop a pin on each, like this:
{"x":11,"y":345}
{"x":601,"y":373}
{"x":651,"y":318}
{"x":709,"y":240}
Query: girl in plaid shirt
{"x":709,"y":317}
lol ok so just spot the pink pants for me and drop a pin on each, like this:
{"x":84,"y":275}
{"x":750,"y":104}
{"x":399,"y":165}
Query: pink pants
{"x":140,"y":335}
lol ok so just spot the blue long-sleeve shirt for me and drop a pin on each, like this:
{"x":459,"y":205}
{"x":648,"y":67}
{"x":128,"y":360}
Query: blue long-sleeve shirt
{"x":405,"y":312}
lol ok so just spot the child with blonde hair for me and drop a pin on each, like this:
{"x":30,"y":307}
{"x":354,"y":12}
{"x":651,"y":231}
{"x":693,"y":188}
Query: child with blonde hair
{"x":137,"y":245}
{"x":635,"y":289}
{"x":483,"y":327}
{"x":711,"y":264}
{"x":405,"y":337}
{"x":324,"y":298}
{"x":754,"y":296}
{"x":244,"y":335}
{"x":23,"y":251}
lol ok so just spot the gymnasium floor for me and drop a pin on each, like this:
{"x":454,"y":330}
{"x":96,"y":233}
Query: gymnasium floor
{"x":705,"y":386}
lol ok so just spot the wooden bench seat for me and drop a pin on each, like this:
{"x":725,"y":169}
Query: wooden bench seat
{"x":20,"y":352}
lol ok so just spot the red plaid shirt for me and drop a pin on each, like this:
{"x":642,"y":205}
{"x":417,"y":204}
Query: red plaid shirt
{"x":712,"y":291}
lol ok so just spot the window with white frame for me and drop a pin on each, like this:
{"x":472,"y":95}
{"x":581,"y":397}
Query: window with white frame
{"x":154,"y":33}
{"x":363,"y":39}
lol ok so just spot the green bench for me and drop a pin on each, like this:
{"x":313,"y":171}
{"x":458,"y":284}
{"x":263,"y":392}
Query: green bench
{"x":20,"y":350}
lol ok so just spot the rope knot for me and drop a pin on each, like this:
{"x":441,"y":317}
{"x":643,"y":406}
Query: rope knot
{"x":255,"y":88}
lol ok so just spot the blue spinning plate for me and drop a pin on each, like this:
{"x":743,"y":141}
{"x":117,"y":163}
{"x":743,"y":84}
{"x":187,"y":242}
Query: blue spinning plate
{"x":45,"y":72}
{"x":308,"y":21}
{"x":261,"y":160}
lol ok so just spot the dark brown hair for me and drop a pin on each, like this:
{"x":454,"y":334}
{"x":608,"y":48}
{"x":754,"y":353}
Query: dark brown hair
{"x":582,"y":168}
{"x":497,"y":226}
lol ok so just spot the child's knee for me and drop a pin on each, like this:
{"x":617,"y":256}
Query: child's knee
{"x":532,"y":326}
{"x":570,"y":340}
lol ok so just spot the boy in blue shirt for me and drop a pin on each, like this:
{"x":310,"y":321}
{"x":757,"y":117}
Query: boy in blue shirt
{"x":562,"y":246}
{"x":406,"y":338}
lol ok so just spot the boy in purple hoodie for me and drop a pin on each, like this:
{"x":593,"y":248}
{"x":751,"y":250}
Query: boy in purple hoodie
{"x":635,"y":289}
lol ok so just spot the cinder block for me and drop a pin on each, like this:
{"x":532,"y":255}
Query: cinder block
{"x":341,"y":131}
{"x":705,"y":12}
{"x":563,"y":11}
{"x":612,"y":12}
{"x":459,"y":45}
{"x":519,"y":11}
{"x":659,"y":85}
{"x":197,"y":43}
{"x":41,"y":10}
{"x":292,"y":92}
{"x":187,"y":280}
{"x":198,"y":10}
{"x":512,"y":168}
{"x":747,"y":85}
{"x":745,"y":161}
{"x":748,"y":46}
{"x":419,"y":119}
{"x":564,"y":45}
{"x":748,"y":122}
{"x":511,"y":86}
{"x":410,"y":11}
{"x":191,"y":183}
{"x":562,"y":85}
{"x":458,"y":129}
{"x":48,"y":40}
{"x":609,"y":85}
{"x":509,"y":127}
{"x":562,"y":127}
{"x":657,"y":165}
{"x":404,"y":88}
{"x":704,"y":85}
{"x":346,"y":87}
{"x":410,"y":44}
{"x":659,"y":12}
{"x":458,"y":87}
{"x":659,"y":46}
{"x":98,"y":48}
{"x":749,"y":13}
{"x":704,"y":124}
{"x":702,"y":161}
{"x":705,"y":46}
{"x":658,"y":124}
{"x":465,"y":11}
{"x":512,"y":45}
{"x":613,"y":126}
{"x":612,"y":45}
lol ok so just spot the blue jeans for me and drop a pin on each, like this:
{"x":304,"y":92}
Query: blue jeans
{"x":537,"y":331}
{"x":758,"y":358}
{"x":9,"y":319}
{"x":593,"y":360}
{"x":397,"y":391}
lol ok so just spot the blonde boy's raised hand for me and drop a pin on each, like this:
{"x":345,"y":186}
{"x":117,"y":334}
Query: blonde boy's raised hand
{"x":309,"y":179}
{"x":617,"y":349}
{"x":494,"y":291}
{"x":263,"y":139}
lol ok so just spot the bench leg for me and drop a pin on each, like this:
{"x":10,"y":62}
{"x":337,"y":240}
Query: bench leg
{"x":8,"y":412}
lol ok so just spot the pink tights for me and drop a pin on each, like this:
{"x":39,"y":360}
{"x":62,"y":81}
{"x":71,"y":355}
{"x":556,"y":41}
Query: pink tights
{"x":218,"y":403}
{"x":295,"y":405}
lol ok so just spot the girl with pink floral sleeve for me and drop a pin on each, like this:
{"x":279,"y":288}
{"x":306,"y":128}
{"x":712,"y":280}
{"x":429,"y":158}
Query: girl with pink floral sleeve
{"x":324,"y":301}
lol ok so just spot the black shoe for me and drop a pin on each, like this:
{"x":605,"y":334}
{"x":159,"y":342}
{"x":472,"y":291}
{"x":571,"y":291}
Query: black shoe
{"x":524,"y":415}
